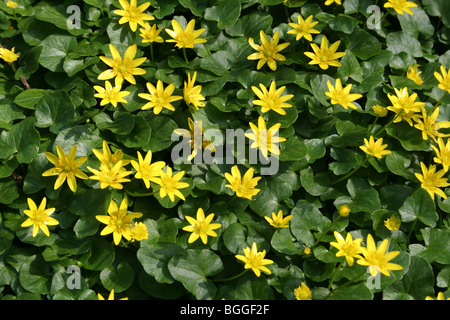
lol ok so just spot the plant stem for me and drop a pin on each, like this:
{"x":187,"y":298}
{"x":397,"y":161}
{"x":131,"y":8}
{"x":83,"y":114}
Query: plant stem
{"x":231,"y":278}
{"x":185,"y":56}
{"x":137,"y":194}
{"x":411,"y":231}
{"x":351,"y":172}
{"x":438,"y":103}
{"x":334,"y":274}
{"x":352,"y":280}
{"x":391,"y":121}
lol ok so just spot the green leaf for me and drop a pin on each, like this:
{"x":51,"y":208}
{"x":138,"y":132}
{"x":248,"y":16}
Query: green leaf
{"x":8,"y":113}
{"x":403,"y":41}
{"x":85,"y":137}
{"x":118,"y":278}
{"x":249,"y":26}
{"x":33,"y":275}
{"x":354,"y":292}
{"x":155,"y":258}
{"x":29,"y":98}
{"x":235,"y":237}
{"x":363,"y":45}
{"x":192,"y":267}
{"x":100,"y":256}
{"x":54,"y":51}
{"x":350,"y":68}
{"x":283,"y":241}
{"x":250,"y":287}
{"x":162,"y":128}
{"x":139,"y":136}
{"x":122,"y":123}
{"x":315,"y":184}
{"x":418,"y":23}
{"x":307,"y":218}
{"x":419,"y":206}
{"x":55,"y":110}
{"x":437,"y":243}
{"x":226,"y":13}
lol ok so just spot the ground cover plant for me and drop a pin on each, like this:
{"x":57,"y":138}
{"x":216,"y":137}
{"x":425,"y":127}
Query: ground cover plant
{"x":224,"y":149}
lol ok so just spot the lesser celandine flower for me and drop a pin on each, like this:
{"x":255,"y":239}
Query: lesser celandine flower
{"x":325,"y":56}
{"x":379,"y":110}
{"x":133,"y":14}
{"x":303,"y":292}
{"x":201,"y":227}
{"x":185,"y":38}
{"x":393,"y":223}
{"x":443,"y":78}
{"x":328,"y":2}
{"x":170,"y":184}
{"x":9,"y":55}
{"x":303,"y":28}
{"x":150,"y":34}
{"x":268,"y":51}
{"x":442,"y":153}
{"x":432,"y":180}
{"x":255,"y":260}
{"x":244,"y":187}
{"x":122,"y":69}
{"x":110,"y":94}
{"x":440,"y":296}
{"x":146,"y":170}
{"x":110,"y":297}
{"x":272,"y":99}
{"x":118,"y":221}
{"x":109,"y":159}
{"x":377,"y":259}
{"x":192,"y":94}
{"x":267,"y":140}
{"x":66,"y":167}
{"x":429,"y":127}
{"x":375,"y":148}
{"x":111,"y":177}
{"x":414,"y":74}
{"x":344,"y":210}
{"x":400,"y":6}
{"x":159,"y":97}
{"x":196,"y":138}
{"x":347,"y":247}
{"x":12,"y":4}
{"x":138,"y":231}
{"x":341,"y":95}
{"x":278,"y":221}
{"x":405,"y":105}
{"x":39,"y":218}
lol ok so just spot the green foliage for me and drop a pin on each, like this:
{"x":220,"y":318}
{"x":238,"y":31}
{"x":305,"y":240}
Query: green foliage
{"x":47,"y":99}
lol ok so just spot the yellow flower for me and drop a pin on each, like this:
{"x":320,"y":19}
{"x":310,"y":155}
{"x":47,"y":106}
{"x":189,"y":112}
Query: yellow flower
{"x":325,"y":56}
{"x":405,"y":106}
{"x":375,"y":148}
{"x":377,"y":259}
{"x":197,"y":140}
{"x":151,"y":34}
{"x":328,"y":2}
{"x":440,"y":296}
{"x":278,"y":221}
{"x":244,"y":188}
{"x":414,"y":74}
{"x":118,"y":221}
{"x":255,"y":260}
{"x":429,"y":127}
{"x":444,"y":79}
{"x":39,"y":218}
{"x":12,"y":4}
{"x":133,"y":14}
{"x":443,"y":153}
{"x":266,"y":140}
{"x":380,"y":111}
{"x":192,"y":93}
{"x":170,"y":185}
{"x":307,"y":250}
{"x":303,"y":28}
{"x":268,"y":51}
{"x":146,"y":171}
{"x":272,"y":99}
{"x":185,"y":38}
{"x":432,"y":180}
{"x":9,"y":55}
{"x":111,"y":177}
{"x":201,"y":227}
{"x":393,"y":223}
{"x":400,"y":6}
{"x":110,"y":94}
{"x":110,"y":297}
{"x":303,"y":292}
{"x":122,"y":69}
{"x":348,"y":248}
{"x":344,"y":210}
{"x":108,"y":159}
{"x":341,"y":95}
{"x":159,"y":97}
{"x":66,"y":167}
{"x":138,"y":231}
